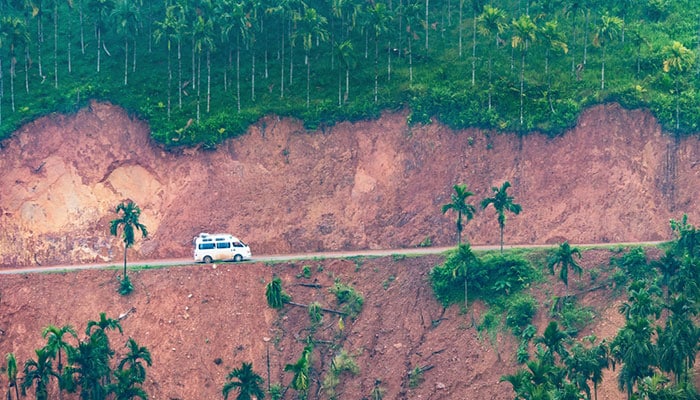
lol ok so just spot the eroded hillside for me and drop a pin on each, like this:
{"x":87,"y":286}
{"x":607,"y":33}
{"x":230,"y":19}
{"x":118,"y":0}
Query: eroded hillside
{"x":373,"y":184}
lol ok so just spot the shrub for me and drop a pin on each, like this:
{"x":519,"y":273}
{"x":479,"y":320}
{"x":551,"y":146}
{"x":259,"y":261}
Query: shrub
{"x":350,"y":300}
{"x":521,"y":310}
{"x":125,"y":286}
{"x":634,"y":264}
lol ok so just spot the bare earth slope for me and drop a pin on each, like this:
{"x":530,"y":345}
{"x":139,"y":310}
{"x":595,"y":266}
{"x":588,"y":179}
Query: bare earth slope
{"x":374,"y":184}
{"x":199,"y":322}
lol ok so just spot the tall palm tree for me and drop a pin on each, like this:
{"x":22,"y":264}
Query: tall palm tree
{"x":459,"y":204}
{"x":477,"y":10}
{"x":344,"y":51}
{"x":379,"y":20}
{"x":491,"y":25}
{"x":501,"y":202}
{"x":460,"y":263}
{"x":607,"y":31}
{"x":101,"y":10}
{"x":129,"y":219}
{"x":247,"y":382}
{"x":125,"y":16}
{"x":633,"y":348}
{"x":11,"y":371}
{"x":311,"y":27}
{"x":38,"y":372}
{"x":56,"y":345}
{"x":172,"y":28}
{"x":552,"y":39}
{"x":14,"y":34}
{"x":678,"y":60}
{"x":524,"y":32}
{"x":563,"y":258}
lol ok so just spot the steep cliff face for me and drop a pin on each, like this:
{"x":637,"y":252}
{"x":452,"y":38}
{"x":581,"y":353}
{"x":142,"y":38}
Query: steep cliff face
{"x":373,"y":184}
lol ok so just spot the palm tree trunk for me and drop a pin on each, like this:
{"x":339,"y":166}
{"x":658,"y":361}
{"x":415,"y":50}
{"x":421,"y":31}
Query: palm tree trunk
{"x":208,"y":80}
{"x":125,"y":261}
{"x":252,"y":72}
{"x":238,"y":73}
{"x":55,"y":44}
{"x":170,"y":78}
{"x":126,"y":61}
{"x":82,"y":28}
{"x":602,"y":69}
{"x":308,"y":78}
{"x":474,"y":50}
{"x":179,"y":71}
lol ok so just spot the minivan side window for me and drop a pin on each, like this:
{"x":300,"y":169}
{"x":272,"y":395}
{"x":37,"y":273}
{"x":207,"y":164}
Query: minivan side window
{"x":223,"y":245}
{"x":206,"y":246}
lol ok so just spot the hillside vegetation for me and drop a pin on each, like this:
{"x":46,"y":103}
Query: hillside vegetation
{"x":200,"y":71}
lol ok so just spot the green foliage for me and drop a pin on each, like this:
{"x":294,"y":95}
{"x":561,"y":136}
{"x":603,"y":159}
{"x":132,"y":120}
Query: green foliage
{"x":185,"y":105}
{"x":341,"y":362}
{"x":521,"y":309}
{"x":306,"y":271}
{"x":125,"y":286}
{"x":276,"y":391}
{"x":634,"y":264}
{"x":487,"y":278}
{"x":415,"y":377}
{"x":348,"y":298}
{"x":315,"y":313}
{"x":275,"y":295}
{"x":572,"y":316}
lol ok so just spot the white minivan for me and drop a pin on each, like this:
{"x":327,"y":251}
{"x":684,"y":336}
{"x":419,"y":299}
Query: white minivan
{"x":220,"y":247}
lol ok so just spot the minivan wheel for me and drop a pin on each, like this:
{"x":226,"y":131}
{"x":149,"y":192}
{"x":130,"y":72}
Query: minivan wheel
{"x":207,"y":260}
{"x":238,"y":258}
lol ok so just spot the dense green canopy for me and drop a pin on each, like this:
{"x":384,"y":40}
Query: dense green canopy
{"x":202,"y":70}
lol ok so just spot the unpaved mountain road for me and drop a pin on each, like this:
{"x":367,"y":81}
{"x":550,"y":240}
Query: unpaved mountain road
{"x":290,"y":257}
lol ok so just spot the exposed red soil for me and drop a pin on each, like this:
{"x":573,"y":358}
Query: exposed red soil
{"x":376,"y":184}
{"x":189,"y":317}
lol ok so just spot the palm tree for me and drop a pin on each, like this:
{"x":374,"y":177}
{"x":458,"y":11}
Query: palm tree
{"x":608,"y":29}
{"x":14,"y":31}
{"x":633,"y":348}
{"x":125,"y":16}
{"x":524,"y":32}
{"x":102,"y":325}
{"x":460,"y":263}
{"x":344,"y":51}
{"x":412,"y":13}
{"x":459,"y":204}
{"x":502,"y":203}
{"x":125,"y":388}
{"x":552,"y":39}
{"x":553,"y":339}
{"x":129,"y":218}
{"x":134,"y":359}
{"x":248,"y":383}
{"x":172,"y":28}
{"x":679,"y":59}
{"x":38,"y":372}
{"x":563,"y":258}
{"x":477,"y":9}
{"x":379,"y":19}
{"x":101,"y":9}
{"x":56,"y":345}
{"x":491,"y":24}
{"x":11,"y":371}
{"x":311,"y":28}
